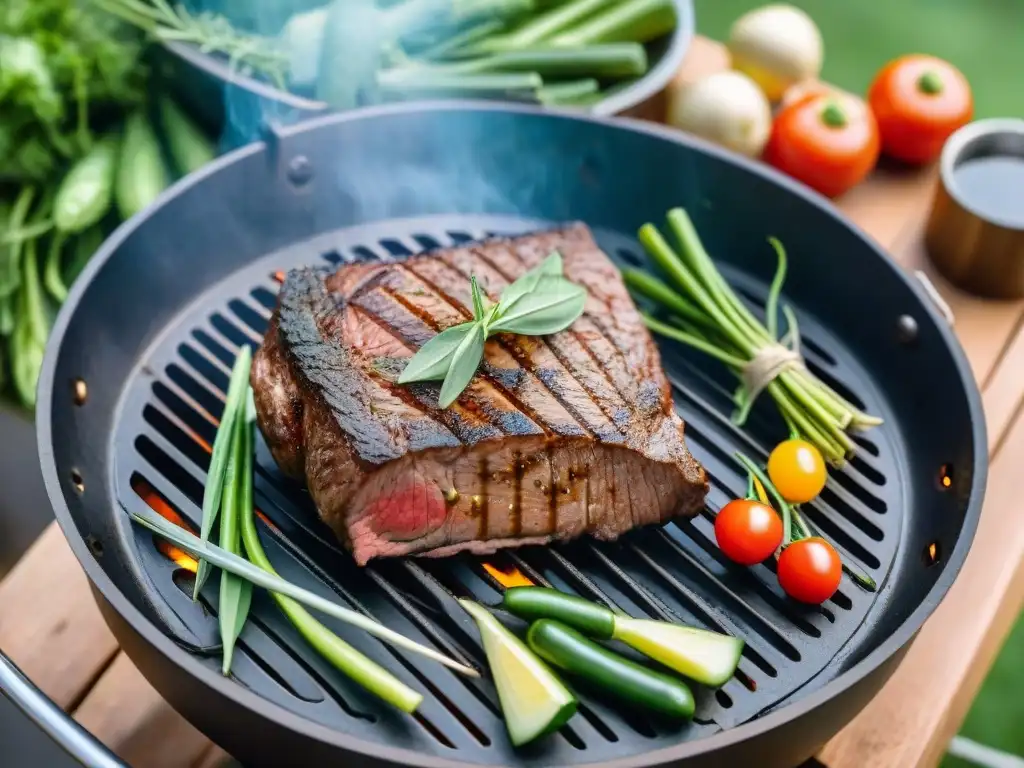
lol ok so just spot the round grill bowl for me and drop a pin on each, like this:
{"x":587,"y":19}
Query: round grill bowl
{"x":133,"y":383}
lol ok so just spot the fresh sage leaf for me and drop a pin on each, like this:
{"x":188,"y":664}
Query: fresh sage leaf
{"x":478,"y":299}
{"x":433,"y":359}
{"x":464,"y":364}
{"x":546,"y":311}
{"x":219,"y":456}
{"x":550,"y":267}
{"x":540,"y":302}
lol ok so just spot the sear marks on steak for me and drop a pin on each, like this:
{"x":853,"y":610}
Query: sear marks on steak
{"x":555,"y":437}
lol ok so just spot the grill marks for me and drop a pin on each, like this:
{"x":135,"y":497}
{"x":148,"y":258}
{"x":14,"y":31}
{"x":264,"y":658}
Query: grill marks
{"x":543,"y":411}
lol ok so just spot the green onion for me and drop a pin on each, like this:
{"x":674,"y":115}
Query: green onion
{"x":545,"y":26}
{"x":705,"y":313}
{"x":343,"y":656}
{"x":569,"y":92}
{"x":638,"y":21}
{"x":273,"y":583}
{"x":421,"y":82}
{"x":219,"y":456}
{"x":609,"y":60}
{"x":235,"y":593}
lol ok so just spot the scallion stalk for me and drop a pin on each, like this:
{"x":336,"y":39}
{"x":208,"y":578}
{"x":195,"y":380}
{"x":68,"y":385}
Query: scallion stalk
{"x":545,"y":25}
{"x":610,"y":60}
{"x":343,"y":656}
{"x":635,"y":20}
{"x":704,"y":312}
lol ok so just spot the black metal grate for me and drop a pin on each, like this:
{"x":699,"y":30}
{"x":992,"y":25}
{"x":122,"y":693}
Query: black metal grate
{"x":675,"y":572}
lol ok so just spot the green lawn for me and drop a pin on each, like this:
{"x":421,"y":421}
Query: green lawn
{"x":985,"y":39}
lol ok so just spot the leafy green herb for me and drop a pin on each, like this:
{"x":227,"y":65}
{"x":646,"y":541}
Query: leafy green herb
{"x":540,"y":302}
{"x":208,"y":31}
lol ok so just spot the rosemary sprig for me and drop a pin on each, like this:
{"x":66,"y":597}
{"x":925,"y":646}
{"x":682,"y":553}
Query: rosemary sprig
{"x":540,"y":302}
{"x":210,"y":32}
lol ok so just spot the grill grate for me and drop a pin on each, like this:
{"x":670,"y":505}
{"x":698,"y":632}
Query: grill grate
{"x":675,"y":572}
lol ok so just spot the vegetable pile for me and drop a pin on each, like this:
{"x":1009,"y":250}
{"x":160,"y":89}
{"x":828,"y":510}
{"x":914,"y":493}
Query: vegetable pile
{"x":826,"y":138}
{"x":70,"y":78}
{"x":350,"y":53}
{"x":565,"y":633}
{"x":698,"y":308}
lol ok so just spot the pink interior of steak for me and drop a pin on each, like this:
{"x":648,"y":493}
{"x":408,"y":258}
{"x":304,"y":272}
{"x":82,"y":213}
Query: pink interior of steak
{"x":556,"y":436}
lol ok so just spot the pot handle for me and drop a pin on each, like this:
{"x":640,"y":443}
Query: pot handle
{"x":57,"y":724}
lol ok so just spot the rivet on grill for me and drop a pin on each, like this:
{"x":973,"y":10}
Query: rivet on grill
{"x":94,"y":545}
{"x":906,"y":329}
{"x":932,"y":554}
{"x":77,"y":481}
{"x":945,"y":477}
{"x":81,"y":391}
{"x":300,"y":170}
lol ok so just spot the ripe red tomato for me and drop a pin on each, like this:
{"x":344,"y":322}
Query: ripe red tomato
{"x":919,"y":101}
{"x":810,"y":570}
{"x":829,"y":141}
{"x":747,"y":531}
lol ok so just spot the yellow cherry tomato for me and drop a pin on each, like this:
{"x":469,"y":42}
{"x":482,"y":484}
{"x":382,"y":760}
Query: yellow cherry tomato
{"x":797,"y":470}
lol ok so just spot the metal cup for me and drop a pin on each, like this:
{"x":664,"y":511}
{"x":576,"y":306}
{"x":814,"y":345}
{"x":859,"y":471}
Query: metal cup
{"x":977,"y":249}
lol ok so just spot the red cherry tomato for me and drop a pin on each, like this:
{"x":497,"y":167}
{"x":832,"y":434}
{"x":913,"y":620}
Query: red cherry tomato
{"x":827,"y":141}
{"x":810,"y":570}
{"x":919,"y":102}
{"x":747,"y":531}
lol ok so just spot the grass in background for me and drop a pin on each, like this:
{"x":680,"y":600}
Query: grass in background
{"x":985,"y":39}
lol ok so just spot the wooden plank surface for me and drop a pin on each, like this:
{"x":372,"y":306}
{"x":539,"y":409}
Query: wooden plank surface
{"x":51,"y":628}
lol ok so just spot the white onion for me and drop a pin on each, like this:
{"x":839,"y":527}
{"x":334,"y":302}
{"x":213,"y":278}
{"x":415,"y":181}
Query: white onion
{"x":777,"y":46}
{"x":727,"y":108}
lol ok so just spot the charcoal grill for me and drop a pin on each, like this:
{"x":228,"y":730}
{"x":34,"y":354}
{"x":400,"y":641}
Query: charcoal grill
{"x":138,"y":363}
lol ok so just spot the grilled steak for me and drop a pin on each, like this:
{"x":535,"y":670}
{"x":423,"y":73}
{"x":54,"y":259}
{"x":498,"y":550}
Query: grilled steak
{"x":555,"y":437}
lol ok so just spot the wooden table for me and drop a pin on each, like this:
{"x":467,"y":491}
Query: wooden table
{"x":61,"y":642}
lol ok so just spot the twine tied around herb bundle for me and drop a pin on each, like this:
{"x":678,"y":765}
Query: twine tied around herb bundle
{"x":768,"y":363}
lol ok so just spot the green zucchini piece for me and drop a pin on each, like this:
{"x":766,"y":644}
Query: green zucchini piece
{"x":624,"y":679}
{"x":532,"y":603}
{"x":705,"y":657}
{"x":533,"y":700}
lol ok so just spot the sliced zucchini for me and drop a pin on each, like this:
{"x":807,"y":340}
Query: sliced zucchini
{"x":705,"y":657}
{"x":533,"y":701}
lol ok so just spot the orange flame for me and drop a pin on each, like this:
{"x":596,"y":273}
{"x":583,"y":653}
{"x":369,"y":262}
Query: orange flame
{"x":509,"y":577}
{"x":165,"y":510}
